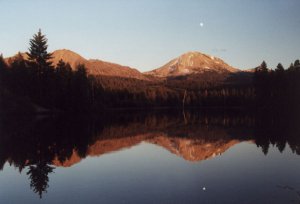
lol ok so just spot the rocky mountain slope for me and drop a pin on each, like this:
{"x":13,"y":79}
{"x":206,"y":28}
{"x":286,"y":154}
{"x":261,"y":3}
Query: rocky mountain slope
{"x":192,"y":63}
{"x":94,"y":67}
{"x":97,"y":67}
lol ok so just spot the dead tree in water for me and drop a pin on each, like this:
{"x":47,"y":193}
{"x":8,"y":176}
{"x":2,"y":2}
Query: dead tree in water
{"x":183,"y":101}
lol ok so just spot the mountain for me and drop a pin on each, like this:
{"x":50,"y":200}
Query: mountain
{"x":68,"y":56}
{"x":94,"y":67}
{"x":190,"y":149}
{"x":191,"y":141}
{"x":192,"y":63}
{"x":192,"y":70}
{"x":97,"y":67}
{"x":194,"y":149}
{"x":188,"y":64}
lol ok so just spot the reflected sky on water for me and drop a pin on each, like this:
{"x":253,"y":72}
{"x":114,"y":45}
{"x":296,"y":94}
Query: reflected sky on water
{"x":148,"y":158}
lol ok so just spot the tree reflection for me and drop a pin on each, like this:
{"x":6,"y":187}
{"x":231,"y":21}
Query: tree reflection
{"x":38,"y":175}
{"x":39,"y":144}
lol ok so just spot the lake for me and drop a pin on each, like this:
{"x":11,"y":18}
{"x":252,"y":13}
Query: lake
{"x":149,"y":157}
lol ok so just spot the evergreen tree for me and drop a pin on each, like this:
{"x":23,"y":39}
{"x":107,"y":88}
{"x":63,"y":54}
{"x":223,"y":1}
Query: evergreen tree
{"x":279,"y":68}
{"x":39,"y":62}
{"x":297,"y":63}
{"x":291,"y":67}
{"x":81,"y":71}
{"x":263,"y":67}
{"x":80,"y":88}
{"x":3,"y":69}
{"x":64,"y":76}
{"x":262,"y":84}
{"x":60,"y":65}
{"x":38,"y":175}
{"x":38,"y":50}
{"x":19,"y":76}
{"x":64,"y":73}
{"x":3,"y":65}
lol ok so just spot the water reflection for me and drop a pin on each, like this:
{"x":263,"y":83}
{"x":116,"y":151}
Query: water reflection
{"x":38,"y":175}
{"x":39,"y":145}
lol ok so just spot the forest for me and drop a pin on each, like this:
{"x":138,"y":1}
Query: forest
{"x":266,"y":106}
{"x":36,"y":84}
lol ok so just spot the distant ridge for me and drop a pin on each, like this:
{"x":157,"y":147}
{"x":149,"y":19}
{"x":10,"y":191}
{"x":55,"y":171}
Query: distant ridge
{"x":195,"y":67}
{"x":97,"y":67}
{"x":94,"y":67}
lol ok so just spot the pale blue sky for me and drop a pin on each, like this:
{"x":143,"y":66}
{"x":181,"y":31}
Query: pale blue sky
{"x":146,"y":34}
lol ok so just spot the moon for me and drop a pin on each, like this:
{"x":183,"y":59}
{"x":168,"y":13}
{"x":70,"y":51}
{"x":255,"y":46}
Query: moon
{"x":201,"y":24}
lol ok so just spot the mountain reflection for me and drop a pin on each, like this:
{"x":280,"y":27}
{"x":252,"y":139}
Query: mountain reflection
{"x":39,"y":145}
{"x":191,"y":149}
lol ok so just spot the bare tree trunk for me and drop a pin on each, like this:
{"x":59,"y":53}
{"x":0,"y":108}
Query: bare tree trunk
{"x":184,"y":96}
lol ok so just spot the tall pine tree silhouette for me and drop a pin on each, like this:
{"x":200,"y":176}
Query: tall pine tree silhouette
{"x":39,"y":60}
{"x":38,"y":50}
{"x":3,"y":69}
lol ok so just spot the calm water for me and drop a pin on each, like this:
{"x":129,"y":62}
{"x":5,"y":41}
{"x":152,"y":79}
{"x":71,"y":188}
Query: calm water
{"x":148,"y":158}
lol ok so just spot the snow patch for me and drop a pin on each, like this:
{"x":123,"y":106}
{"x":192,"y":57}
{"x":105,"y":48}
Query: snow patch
{"x":174,"y":63}
{"x":185,"y":71}
{"x":172,"y":68}
{"x":190,"y":62}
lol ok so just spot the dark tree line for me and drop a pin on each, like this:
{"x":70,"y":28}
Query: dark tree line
{"x":279,"y":88}
{"x":48,"y":86}
{"x":59,"y":87}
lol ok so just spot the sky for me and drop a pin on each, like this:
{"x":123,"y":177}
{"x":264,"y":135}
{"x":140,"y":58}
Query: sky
{"x":146,"y":34}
